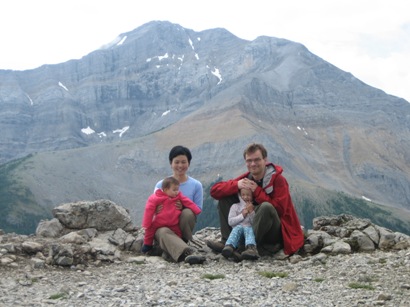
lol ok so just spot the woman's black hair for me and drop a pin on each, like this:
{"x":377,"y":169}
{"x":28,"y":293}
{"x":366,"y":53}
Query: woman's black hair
{"x":180,"y":151}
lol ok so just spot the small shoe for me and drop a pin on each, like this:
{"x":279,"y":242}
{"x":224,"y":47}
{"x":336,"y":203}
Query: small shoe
{"x":251,"y":253}
{"x":227,"y":251}
{"x":236,"y":256}
{"x":216,"y":246}
{"x":195,"y":259}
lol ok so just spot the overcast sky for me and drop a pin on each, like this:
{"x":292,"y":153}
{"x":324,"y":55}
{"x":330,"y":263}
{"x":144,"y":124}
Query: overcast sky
{"x":368,"y":38}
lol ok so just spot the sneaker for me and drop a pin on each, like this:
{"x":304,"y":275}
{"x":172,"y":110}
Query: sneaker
{"x":216,"y":246}
{"x":251,"y":253}
{"x":195,"y":259}
{"x":227,"y":251}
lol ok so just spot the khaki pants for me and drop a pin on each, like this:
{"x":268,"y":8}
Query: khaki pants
{"x":172,"y":244}
{"x":266,"y":223}
{"x":187,"y":222}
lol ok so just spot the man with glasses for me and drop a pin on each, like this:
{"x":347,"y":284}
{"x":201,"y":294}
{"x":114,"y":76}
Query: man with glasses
{"x":276,"y":224}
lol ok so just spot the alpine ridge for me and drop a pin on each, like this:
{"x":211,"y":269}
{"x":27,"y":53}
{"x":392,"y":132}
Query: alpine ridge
{"x":102,"y":126}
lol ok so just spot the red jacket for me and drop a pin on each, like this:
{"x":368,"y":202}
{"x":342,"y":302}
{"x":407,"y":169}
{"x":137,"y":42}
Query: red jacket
{"x":169,"y":215}
{"x":275,"y":190}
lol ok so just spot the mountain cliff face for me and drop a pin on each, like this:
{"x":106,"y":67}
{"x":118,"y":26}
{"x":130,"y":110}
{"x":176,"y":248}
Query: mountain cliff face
{"x":123,"y":91}
{"x":103,"y":125}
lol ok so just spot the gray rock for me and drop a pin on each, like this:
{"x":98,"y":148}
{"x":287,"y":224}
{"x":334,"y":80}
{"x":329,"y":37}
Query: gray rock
{"x":31,"y":247}
{"x":100,"y":214}
{"x":361,"y":241}
{"x":51,"y":229}
{"x":372,"y":233}
{"x":73,"y":237}
{"x":387,"y":238}
{"x":341,"y":247}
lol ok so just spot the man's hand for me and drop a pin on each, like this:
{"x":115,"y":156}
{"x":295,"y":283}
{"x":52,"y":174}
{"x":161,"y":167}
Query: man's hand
{"x":246,"y":183}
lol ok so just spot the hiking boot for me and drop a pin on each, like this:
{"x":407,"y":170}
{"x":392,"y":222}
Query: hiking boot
{"x":187,"y":251}
{"x":195,"y":259}
{"x":251,"y":253}
{"x":269,"y":249}
{"x":227,"y":251}
{"x":155,"y":251}
{"x":216,"y":246}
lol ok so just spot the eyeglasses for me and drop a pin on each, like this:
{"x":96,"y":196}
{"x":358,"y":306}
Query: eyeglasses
{"x":249,"y":161}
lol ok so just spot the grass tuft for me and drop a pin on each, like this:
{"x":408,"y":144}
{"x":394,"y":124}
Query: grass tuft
{"x":213,"y":276}
{"x":356,"y":285}
{"x":273,"y":274}
{"x":57,"y":296}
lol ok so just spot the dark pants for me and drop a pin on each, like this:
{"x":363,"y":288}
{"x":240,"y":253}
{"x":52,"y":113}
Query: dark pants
{"x":266,"y":223}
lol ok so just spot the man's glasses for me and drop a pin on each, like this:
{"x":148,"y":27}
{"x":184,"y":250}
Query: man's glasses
{"x":257,"y":160}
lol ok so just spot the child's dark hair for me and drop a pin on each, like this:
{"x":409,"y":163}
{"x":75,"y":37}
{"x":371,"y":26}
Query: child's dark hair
{"x":180,"y":151}
{"x":167,"y":182}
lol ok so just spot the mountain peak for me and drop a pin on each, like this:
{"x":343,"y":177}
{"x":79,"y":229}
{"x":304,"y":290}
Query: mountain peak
{"x":124,"y":106}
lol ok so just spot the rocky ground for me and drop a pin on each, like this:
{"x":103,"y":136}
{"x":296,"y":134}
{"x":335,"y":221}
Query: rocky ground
{"x":89,"y":255}
{"x":379,"y":278}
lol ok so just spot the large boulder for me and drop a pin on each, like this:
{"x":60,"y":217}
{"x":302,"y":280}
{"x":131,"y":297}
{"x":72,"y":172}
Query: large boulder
{"x":102,"y":215}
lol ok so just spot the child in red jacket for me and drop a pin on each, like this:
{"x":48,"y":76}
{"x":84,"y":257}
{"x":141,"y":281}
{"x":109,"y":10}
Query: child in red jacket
{"x":167,"y":196}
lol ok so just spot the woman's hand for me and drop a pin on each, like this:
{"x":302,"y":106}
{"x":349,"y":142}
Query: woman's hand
{"x":158,"y":209}
{"x":178,"y":205}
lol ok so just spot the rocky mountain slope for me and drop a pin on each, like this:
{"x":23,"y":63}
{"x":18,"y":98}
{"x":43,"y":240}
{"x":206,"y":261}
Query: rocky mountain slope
{"x":102,"y":126}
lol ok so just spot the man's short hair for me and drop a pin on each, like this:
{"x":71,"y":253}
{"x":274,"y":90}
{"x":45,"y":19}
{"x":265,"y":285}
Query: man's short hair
{"x":168,"y":182}
{"x":251,"y":148}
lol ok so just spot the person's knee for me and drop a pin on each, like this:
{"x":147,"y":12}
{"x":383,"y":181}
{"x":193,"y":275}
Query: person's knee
{"x":187,"y":214}
{"x":266,"y":209}
{"x":187,"y":218}
{"x":228,"y":201}
{"x":162,"y":231}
